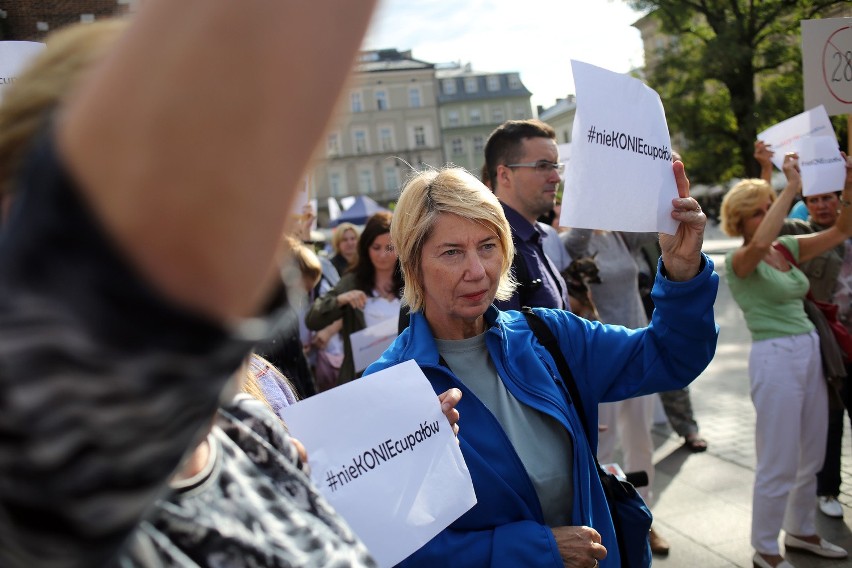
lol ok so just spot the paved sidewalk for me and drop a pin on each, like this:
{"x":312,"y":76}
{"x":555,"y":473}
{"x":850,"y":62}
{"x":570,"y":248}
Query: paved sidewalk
{"x":703,"y":501}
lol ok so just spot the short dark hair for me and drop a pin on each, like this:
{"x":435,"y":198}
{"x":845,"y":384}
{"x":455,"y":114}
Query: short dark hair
{"x":505,"y":143}
{"x":805,"y":198}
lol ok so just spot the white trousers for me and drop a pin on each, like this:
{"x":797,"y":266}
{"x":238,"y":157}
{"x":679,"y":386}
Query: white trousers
{"x":629,"y":422}
{"x":791,"y":402}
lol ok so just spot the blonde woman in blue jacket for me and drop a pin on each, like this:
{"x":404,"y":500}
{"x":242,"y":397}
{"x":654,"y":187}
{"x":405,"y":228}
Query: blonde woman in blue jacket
{"x":539,"y":499}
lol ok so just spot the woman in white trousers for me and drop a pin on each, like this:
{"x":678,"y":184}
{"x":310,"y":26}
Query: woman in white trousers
{"x":787,"y":383}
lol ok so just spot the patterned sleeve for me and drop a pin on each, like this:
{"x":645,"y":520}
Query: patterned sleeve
{"x":103,"y":383}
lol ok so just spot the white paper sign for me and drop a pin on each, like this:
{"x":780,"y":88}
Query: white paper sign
{"x":369,"y":343}
{"x":333,"y":209}
{"x":384,"y":456}
{"x":14,"y":57}
{"x":785,"y":136}
{"x":823,"y":169}
{"x":620,"y":175}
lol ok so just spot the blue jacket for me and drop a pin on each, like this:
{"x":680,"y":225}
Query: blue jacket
{"x":609,"y":363}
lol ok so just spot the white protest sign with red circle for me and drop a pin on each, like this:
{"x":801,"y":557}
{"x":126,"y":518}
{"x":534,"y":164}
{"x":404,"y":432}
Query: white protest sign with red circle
{"x":827,"y":64}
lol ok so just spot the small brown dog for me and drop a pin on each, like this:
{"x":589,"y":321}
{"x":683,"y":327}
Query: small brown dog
{"x":579,"y":274}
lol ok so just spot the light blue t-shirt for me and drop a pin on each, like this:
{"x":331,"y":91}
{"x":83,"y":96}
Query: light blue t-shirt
{"x":542,"y":443}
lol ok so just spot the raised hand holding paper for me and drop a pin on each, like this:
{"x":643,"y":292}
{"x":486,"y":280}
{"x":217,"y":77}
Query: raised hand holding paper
{"x":785,"y":136}
{"x":620,"y":175}
{"x":383,"y":454}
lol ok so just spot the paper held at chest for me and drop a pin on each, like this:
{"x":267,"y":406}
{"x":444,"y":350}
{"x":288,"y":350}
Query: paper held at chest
{"x":369,"y":343}
{"x":619,"y":177}
{"x":384,"y":456}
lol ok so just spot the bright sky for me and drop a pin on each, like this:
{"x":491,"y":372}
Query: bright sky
{"x":537,"y":38}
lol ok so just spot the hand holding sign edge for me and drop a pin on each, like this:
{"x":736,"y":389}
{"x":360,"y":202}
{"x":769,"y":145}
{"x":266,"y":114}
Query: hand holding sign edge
{"x":449,"y":399}
{"x":682,"y":251}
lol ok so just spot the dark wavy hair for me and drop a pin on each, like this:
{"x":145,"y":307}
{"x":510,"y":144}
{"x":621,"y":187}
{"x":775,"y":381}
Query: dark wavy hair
{"x":365,"y":272}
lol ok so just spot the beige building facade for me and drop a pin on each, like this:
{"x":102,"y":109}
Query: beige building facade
{"x":560,"y":117}
{"x":387,"y":124}
{"x":471,"y":105}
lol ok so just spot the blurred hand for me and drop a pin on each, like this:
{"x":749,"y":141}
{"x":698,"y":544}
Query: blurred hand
{"x":579,"y":547}
{"x":320,"y":339}
{"x":682,"y":251}
{"x":355,"y":298}
{"x":763,"y":154}
{"x":790,"y":167}
{"x":303,"y":455}
{"x":844,"y":220}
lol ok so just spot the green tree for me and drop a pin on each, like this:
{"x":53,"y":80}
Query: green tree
{"x":733,"y":68}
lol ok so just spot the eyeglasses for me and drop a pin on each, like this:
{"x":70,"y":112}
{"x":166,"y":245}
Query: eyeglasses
{"x":542,"y":166}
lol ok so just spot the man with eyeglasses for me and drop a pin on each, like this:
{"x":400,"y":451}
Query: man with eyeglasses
{"x":523,"y":169}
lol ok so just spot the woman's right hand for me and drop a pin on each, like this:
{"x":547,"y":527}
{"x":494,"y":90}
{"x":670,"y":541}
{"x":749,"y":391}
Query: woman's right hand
{"x":355,"y":298}
{"x":579,"y":547}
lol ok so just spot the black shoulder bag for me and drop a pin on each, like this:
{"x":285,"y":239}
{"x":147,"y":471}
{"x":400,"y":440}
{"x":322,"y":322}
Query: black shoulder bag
{"x":630,"y":515}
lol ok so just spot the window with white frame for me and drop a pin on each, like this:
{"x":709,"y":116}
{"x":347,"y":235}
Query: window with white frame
{"x":514,"y":82}
{"x":497,"y":114}
{"x":365,"y":181}
{"x":520,"y":113}
{"x":382,"y":100}
{"x":359,"y":141}
{"x":479,"y":144}
{"x":475,"y":116}
{"x":453,"y":118}
{"x":492,"y":82}
{"x":391,"y":178}
{"x":336,"y":184}
{"x":471,"y":84}
{"x":457,"y":146}
{"x":414,"y":97}
{"x":419,"y":137}
{"x":386,"y":138}
{"x":356,"y":104}
{"x":332,"y":147}
{"x":449,"y":86}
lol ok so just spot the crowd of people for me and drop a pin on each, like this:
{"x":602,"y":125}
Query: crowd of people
{"x":158,"y":311}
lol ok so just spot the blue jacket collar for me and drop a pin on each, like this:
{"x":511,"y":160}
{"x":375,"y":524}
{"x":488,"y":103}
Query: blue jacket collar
{"x":417,"y":341}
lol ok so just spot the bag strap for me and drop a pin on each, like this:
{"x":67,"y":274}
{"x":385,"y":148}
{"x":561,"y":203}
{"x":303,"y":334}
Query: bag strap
{"x":785,"y":252}
{"x":545,"y":336}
